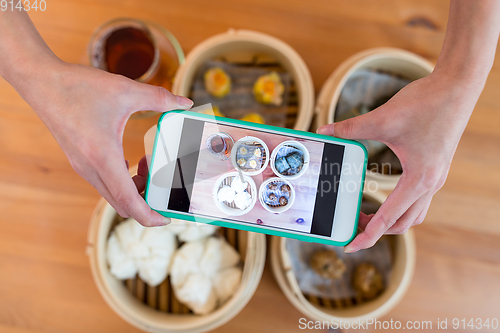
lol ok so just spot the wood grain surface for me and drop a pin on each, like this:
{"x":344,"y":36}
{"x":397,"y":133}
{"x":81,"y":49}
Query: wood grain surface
{"x":45,"y":281}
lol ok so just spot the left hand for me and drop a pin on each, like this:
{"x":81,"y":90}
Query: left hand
{"x":86,"y":110}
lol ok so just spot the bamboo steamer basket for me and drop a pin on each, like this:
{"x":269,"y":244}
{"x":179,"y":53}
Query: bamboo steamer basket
{"x":404,"y":250}
{"x":396,"y":61}
{"x":144,"y":316}
{"x":244,"y":44}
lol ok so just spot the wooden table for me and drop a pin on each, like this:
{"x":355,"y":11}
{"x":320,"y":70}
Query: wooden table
{"x":45,"y":282}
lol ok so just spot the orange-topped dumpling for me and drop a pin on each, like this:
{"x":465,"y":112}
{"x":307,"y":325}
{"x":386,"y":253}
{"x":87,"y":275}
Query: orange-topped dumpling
{"x":217,"y":82}
{"x":214,"y":112}
{"x":254,"y":118}
{"x":268,"y":89}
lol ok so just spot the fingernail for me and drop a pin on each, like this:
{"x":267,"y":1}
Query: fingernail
{"x":183,"y":102}
{"x":326,"y":129}
{"x":349,"y":250}
{"x":164,"y":222}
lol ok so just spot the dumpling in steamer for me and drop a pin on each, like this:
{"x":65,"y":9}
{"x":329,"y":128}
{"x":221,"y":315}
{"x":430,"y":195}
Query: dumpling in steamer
{"x":243,"y":200}
{"x":196,"y":231}
{"x":243,"y":150}
{"x":268,"y":89}
{"x":367,"y":281}
{"x":161,"y":244}
{"x":282,"y":165}
{"x":226,"y":282}
{"x":253,"y":164}
{"x":197,"y":293}
{"x":129,"y":233}
{"x":217,"y":82}
{"x":177,"y":226}
{"x":226,"y":193}
{"x":238,"y":186}
{"x":132,"y":248}
{"x":295,"y":160}
{"x":121,"y":265}
{"x":217,"y":256}
{"x":203,"y":273}
{"x":186,"y":261}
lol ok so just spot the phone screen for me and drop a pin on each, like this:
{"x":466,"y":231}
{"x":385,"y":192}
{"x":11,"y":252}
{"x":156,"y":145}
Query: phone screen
{"x":230,"y":173}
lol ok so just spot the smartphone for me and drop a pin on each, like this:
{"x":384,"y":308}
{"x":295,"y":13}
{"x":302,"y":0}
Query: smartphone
{"x":255,"y":177}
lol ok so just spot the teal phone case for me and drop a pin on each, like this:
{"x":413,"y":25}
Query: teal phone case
{"x":249,"y":227}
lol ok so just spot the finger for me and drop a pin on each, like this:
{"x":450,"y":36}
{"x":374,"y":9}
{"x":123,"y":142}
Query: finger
{"x":423,"y":213}
{"x":142,"y":169}
{"x":98,"y":184}
{"x":141,"y":179}
{"x":365,"y":127}
{"x":148,"y":97}
{"x":364,"y":220}
{"x":122,"y":188}
{"x":409,"y":217}
{"x":407,"y":191}
{"x":140,"y":183}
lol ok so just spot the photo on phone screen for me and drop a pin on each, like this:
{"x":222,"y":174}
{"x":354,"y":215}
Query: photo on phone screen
{"x":226,"y":172}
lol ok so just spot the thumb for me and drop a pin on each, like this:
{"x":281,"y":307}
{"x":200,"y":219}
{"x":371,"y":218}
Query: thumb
{"x":159,"y":99}
{"x":358,"y":128}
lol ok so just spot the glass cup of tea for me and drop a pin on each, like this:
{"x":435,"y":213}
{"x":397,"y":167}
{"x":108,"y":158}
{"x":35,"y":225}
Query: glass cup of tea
{"x":126,"y":47}
{"x":220,"y":145}
{"x":140,"y":50}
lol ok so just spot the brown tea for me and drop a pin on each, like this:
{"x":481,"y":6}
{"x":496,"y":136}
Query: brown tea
{"x":217,"y":144}
{"x":220,"y":145}
{"x":129,"y":51}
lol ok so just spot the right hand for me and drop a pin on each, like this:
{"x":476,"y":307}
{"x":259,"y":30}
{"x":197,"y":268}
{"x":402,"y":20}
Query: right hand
{"x":422,"y":124}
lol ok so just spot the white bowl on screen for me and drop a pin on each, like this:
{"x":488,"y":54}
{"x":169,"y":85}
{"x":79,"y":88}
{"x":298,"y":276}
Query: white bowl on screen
{"x":227,"y":208}
{"x":279,"y":209}
{"x":294,"y":144}
{"x":237,"y":146}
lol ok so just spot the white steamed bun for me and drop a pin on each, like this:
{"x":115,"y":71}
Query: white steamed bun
{"x":226,"y":282}
{"x":198,"y":272}
{"x":133,"y":248}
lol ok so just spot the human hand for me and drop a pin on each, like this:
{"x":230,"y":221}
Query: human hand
{"x":422,"y":124}
{"x":86,"y":110}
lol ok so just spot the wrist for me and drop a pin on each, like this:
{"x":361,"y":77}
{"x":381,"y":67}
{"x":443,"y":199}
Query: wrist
{"x":462,"y":76}
{"x":458,"y":93}
{"x":469,"y":47}
{"x":22,"y":66}
{"x":24,"y":53}
{"x":34,"y":78}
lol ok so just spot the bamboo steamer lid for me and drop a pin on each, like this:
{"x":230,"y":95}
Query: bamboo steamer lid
{"x":392,"y":60}
{"x":399,"y":282}
{"x":244,"y":44}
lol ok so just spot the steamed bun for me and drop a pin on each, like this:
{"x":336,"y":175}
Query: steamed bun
{"x":226,"y":282}
{"x":133,"y":249}
{"x":197,"y":293}
{"x":122,"y":266}
{"x":217,"y":256}
{"x":199,"y":272}
{"x":191,"y":231}
{"x":186,"y":261}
